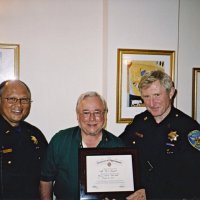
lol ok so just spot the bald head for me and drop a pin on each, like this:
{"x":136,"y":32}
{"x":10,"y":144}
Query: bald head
{"x":15,"y":101}
{"x":13,"y":82}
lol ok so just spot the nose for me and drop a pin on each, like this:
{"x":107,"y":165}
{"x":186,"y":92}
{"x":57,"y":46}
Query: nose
{"x":152,"y":101}
{"x":92,"y":116}
{"x":18,"y":102}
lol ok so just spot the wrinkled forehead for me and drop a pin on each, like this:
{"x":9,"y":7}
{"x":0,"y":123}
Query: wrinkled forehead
{"x":154,"y":86}
{"x":91,"y":103}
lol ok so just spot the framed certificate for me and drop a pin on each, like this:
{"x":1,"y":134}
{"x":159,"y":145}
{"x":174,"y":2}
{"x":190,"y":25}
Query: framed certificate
{"x":111,"y":173}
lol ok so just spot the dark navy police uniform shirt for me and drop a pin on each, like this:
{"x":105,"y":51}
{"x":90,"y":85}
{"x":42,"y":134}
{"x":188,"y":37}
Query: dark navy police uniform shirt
{"x":169,"y":161}
{"x":22,"y":150}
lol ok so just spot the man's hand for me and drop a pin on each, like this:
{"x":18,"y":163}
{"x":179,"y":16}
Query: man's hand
{"x":46,"y":190}
{"x":137,"y":195}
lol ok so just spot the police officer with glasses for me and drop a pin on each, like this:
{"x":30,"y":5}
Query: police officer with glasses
{"x":22,"y":145}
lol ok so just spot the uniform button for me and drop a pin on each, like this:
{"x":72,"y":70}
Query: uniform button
{"x":133,"y":142}
{"x":9,"y":162}
{"x":38,"y":158}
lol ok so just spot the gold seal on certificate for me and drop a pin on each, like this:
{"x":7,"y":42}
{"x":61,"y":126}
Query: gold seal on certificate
{"x":111,"y":173}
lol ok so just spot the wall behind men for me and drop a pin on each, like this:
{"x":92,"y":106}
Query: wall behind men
{"x":68,"y":47}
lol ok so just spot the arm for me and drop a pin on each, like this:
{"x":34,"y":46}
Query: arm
{"x":46,"y":190}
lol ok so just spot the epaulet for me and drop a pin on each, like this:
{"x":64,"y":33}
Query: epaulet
{"x":144,"y":117}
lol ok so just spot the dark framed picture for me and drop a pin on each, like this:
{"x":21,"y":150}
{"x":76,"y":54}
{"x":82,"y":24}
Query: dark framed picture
{"x":132,"y":64}
{"x":111,"y":173}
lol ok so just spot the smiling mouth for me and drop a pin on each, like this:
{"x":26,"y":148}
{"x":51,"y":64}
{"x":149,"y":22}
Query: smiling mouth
{"x":154,"y":108}
{"x":16,"y":111}
{"x":92,"y":125}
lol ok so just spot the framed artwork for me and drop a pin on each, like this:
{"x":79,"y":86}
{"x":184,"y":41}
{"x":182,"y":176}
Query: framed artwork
{"x":9,"y":61}
{"x":111,"y":173}
{"x":196,"y":93}
{"x":132,"y":65}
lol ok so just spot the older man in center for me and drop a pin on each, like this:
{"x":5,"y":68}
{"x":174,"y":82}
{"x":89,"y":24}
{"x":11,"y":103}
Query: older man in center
{"x":60,"y":170}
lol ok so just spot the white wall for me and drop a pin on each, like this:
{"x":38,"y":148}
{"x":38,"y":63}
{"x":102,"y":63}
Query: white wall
{"x":189,"y":53}
{"x":61,"y":54}
{"x":138,"y":24}
{"x":70,"y":46}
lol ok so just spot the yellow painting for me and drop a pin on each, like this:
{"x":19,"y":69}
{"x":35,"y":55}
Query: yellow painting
{"x":136,"y":69}
{"x":132,"y":64}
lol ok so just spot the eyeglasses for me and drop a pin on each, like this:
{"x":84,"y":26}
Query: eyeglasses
{"x":97,"y":114}
{"x":13,"y":100}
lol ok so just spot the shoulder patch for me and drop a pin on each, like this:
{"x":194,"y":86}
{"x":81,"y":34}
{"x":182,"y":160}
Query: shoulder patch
{"x":194,"y":139}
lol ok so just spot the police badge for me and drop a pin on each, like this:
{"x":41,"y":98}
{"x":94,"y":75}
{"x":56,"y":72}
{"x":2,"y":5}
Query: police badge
{"x":172,"y":136}
{"x":194,"y":139}
{"x":34,"y":139}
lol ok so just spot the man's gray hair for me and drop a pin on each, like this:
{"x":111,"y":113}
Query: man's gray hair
{"x":152,"y":76}
{"x":91,"y":94}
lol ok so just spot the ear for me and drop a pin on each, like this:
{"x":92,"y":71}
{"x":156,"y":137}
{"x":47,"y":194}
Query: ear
{"x":77,"y":116}
{"x":172,"y":92}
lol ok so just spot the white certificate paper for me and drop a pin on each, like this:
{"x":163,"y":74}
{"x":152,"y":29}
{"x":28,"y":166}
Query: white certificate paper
{"x":109,"y":173}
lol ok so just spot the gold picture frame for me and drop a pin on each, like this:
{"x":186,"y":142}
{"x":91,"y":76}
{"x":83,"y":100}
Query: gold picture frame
{"x":9,"y":61}
{"x":196,"y":93}
{"x":131,"y":65}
